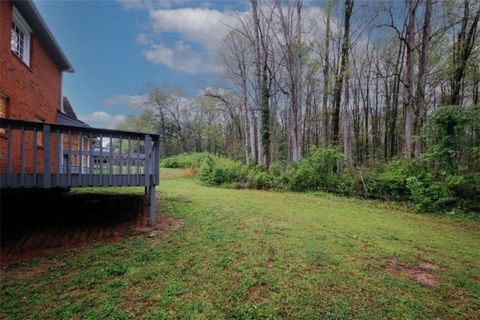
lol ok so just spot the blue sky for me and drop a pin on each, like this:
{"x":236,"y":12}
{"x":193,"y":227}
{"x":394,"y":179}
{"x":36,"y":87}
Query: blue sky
{"x":117,"y":48}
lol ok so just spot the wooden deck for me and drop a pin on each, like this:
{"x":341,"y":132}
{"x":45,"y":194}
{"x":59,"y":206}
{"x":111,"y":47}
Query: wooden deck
{"x":48,"y":155}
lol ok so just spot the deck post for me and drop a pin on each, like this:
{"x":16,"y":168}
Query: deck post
{"x":153,"y":205}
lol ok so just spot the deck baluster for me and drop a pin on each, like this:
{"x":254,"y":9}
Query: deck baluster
{"x":80,"y":159}
{"x":35,"y":170}
{"x":156,"y":159}
{"x":59,"y":158}
{"x":138,"y":161}
{"x":110,"y":161}
{"x":47,"y":156}
{"x":90,"y":159}
{"x":101,"y":159}
{"x":120,"y":157}
{"x":129,"y":162}
{"x":9,"y":156}
{"x":146,"y":163}
{"x":22,"y":156}
{"x":69,"y":158}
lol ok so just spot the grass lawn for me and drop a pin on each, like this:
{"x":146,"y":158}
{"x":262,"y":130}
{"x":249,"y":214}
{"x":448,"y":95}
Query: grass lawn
{"x":256,"y":254}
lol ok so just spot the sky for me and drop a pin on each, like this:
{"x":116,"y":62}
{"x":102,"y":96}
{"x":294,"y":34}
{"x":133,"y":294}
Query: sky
{"x":118,"y":48}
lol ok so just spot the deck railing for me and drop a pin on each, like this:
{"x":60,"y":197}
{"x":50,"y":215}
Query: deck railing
{"x":47,"y":155}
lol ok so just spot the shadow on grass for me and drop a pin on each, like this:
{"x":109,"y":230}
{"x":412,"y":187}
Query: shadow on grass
{"x":36,"y":221}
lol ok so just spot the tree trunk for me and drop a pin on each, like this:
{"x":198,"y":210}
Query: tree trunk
{"x":341,"y":75}
{"x":326,"y":66}
{"x":408,"y":89}
{"x":260,"y":65}
{"x":265,"y":120}
{"x":462,"y":53}
{"x":422,"y":72}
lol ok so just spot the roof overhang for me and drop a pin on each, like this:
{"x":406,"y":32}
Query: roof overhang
{"x":65,"y":119}
{"x":30,"y":13}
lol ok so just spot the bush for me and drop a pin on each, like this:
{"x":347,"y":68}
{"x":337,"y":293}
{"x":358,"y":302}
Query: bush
{"x":219,"y":171}
{"x":319,"y":172}
{"x":390,"y":180}
{"x":400,"y":180}
{"x":429,"y":195}
{"x":259,"y":178}
{"x":465,"y":190}
{"x":185,"y":160}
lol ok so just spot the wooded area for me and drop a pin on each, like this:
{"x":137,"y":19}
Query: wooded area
{"x":363,"y":77}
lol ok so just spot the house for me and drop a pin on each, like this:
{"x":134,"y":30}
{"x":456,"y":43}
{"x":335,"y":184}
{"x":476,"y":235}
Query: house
{"x":42,"y":142}
{"x":67,"y":116}
{"x":32,"y":64}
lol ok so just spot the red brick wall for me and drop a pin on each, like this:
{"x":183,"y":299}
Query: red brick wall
{"x":33,"y":91}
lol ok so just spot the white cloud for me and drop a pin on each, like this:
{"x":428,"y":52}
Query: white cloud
{"x":143,"y":39}
{"x":214,"y":90}
{"x":200,"y":32}
{"x":203,"y":26}
{"x":123,"y":100}
{"x":101,"y":119}
{"x":150,"y":4}
{"x":182,"y":58}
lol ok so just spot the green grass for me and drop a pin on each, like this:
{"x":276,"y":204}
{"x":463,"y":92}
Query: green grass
{"x":255,"y":254}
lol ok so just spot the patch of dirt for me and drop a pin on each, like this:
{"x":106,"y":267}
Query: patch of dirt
{"x":134,"y":303}
{"x":419,"y":274}
{"x":271,"y":257}
{"x":254,"y":292}
{"x":167,"y":225}
{"x":50,"y":224}
{"x":167,"y":175}
{"x":71,"y":294}
{"x":429,"y":266}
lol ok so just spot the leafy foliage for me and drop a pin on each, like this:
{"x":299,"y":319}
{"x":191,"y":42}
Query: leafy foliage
{"x":188,"y":160}
{"x":414,"y":181}
{"x":447,"y":138}
{"x":219,"y":171}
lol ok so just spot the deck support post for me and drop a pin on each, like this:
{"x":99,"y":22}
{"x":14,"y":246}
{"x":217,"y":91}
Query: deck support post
{"x":152,"y":202}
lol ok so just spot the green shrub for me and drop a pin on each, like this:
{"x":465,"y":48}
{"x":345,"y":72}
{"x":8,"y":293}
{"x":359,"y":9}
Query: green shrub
{"x":318,"y":172}
{"x":466,"y":190}
{"x":447,"y":137}
{"x":185,"y":160}
{"x":405,"y":180}
{"x":218,"y":171}
{"x":390,"y":180}
{"x":428,"y":194}
{"x":259,"y":178}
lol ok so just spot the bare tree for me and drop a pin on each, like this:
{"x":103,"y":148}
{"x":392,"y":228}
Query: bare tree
{"x":408,"y":90}
{"x":340,"y":78}
{"x":235,"y":57}
{"x":291,"y":26}
{"x":326,"y":68}
{"x":462,"y":51}
{"x":422,"y":71}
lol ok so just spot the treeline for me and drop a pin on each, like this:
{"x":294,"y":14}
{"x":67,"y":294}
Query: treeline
{"x":433,"y":183}
{"x":361,"y":77}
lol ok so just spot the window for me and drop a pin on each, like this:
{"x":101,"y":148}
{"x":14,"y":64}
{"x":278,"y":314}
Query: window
{"x":3,"y":106}
{"x":20,"y":41}
{"x":3,"y":109}
{"x":39,"y":133}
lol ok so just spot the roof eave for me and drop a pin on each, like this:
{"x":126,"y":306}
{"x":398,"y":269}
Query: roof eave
{"x":35,"y":20}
